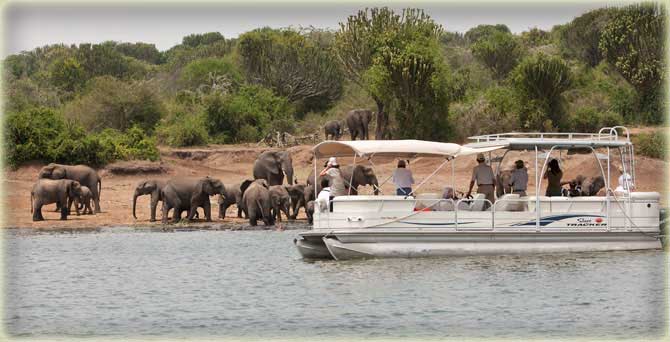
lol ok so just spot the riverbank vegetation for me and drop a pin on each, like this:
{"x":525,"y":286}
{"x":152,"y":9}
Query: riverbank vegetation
{"x":96,"y":103}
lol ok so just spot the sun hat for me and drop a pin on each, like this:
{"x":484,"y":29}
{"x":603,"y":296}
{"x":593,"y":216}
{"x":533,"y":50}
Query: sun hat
{"x":480,"y":157}
{"x":332,"y":161}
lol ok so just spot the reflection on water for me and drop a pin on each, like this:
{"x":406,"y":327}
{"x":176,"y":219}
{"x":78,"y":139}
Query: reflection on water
{"x":124,"y":282}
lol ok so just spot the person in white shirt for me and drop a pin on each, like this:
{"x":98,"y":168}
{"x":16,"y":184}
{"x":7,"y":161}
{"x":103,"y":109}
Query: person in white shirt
{"x":403,"y":180}
{"x":323,"y":199}
{"x":519,"y":179}
{"x":334,"y":175}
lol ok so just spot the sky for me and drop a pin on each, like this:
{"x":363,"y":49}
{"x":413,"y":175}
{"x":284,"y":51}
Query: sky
{"x":29,"y":25}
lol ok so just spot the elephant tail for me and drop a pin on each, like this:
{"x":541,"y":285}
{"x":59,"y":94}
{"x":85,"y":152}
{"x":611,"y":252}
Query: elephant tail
{"x":32,"y":195}
{"x":258,"y":203}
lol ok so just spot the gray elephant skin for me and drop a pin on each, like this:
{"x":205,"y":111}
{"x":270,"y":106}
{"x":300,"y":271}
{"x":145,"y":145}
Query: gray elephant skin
{"x":257,"y":202}
{"x":189,"y":194}
{"x":149,"y":187}
{"x":309,"y":211}
{"x":281,"y":202}
{"x":47,"y":191}
{"x":232,"y":195}
{"x":272,"y":165}
{"x":362,"y":175}
{"x":83,"y":174}
{"x":297,"y":194}
{"x":358,"y":121}
{"x":502,"y":183}
{"x":333,"y":129}
{"x":84,"y":201}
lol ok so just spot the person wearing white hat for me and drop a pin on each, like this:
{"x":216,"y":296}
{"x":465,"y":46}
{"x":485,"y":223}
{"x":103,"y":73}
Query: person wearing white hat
{"x":332,"y":172}
{"x":483,"y":175}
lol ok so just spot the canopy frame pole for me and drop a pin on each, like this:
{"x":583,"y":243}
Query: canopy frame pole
{"x":538,"y":209}
{"x":427,"y":178}
{"x":351,"y":179}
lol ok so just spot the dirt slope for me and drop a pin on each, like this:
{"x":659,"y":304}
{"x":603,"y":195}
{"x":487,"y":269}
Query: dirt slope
{"x":233,"y":163}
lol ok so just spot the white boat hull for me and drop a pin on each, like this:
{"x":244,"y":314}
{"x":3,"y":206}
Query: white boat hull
{"x":357,"y":246}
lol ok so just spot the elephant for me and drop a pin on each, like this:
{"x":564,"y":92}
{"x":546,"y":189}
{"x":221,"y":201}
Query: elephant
{"x":84,"y":201}
{"x":358,"y":121}
{"x":281,"y":201}
{"x":503,"y":179}
{"x":232,"y":195}
{"x":83,"y":174}
{"x":333,"y":129}
{"x":297,"y":193}
{"x":189,"y":194}
{"x":46,"y":191}
{"x":257,"y":202}
{"x":362,"y":175}
{"x":271,"y":166}
{"x":309,"y":194}
{"x":309,"y":211}
{"x":149,"y":187}
{"x":591,"y":186}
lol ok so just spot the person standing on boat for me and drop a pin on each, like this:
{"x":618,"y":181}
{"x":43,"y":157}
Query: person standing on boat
{"x":519,"y":179}
{"x":403,"y":180}
{"x":483,"y":175}
{"x":332,"y":172}
{"x":553,"y":177}
{"x":324,"y":197}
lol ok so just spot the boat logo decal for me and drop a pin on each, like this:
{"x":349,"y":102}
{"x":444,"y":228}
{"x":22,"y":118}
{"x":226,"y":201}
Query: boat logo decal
{"x":581,"y":221}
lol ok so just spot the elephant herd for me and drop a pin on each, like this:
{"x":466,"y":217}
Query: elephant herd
{"x":357,"y":122}
{"x":264,"y":198}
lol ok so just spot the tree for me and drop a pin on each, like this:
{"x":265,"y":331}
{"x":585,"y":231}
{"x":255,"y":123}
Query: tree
{"x":291,"y":65}
{"x":142,"y":51}
{"x":397,"y":59}
{"x":210,"y":74}
{"x":499,"y":51}
{"x":194,"y":40}
{"x":541,"y":80}
{"x":535,"y":37}
{"x":633,"y":42}
{"x":111,"y":103}
{"x":482,"y":31}
{"x":68,"y":74}
{"x":582,"y":35}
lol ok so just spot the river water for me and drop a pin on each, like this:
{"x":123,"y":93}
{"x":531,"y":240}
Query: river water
{"x":138,"y":283}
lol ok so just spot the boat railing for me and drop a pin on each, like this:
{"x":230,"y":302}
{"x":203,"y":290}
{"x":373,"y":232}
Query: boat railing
{"x":605,"y":133}
{"x":463,"y":209}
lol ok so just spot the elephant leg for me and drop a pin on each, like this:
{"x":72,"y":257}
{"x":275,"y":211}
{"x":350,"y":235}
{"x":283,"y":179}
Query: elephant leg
{"x":239,"y":211}
{"x":207,"y":208}
{"x":222,"y":211}
{"x":278,"y":214}
{"x":64,"y":211}
{"x":154,"y":204}
{"x":165,"y":209}
{"x":37,"y":212}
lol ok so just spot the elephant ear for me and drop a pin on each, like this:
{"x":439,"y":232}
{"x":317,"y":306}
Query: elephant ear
{"x":263,"y":182}
{"x":245,"y":185}
{"x":58,"y":172}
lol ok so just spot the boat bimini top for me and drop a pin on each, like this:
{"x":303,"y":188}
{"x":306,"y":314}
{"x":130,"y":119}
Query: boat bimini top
{"x":397,"y":148}
{"x":606,"y":137}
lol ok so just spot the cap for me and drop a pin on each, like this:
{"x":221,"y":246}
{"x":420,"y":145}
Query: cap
{"x":480,"y":157}
{"x":332,"y":161}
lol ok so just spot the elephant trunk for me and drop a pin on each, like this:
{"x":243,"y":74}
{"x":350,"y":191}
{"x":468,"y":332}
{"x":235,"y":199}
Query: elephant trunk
{"x":289,"y":174}
{"x":135,"y":203}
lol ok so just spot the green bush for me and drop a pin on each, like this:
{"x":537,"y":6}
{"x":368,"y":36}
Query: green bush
{"x":247,"y":115}
{"x":43,"y":135}
{"x":651,"y":144}
{"x":589,"y":119}
{"x":211,"y":74}
{"x":184,"y":130}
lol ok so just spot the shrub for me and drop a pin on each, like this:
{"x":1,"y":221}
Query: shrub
{"x":43,"y":135}
{"x":499,"y":51}
{"x":210,"y":74}
{"x":651,"y":144}
{"x":184,"y":130}
{"x":589,"y":119}
{"x":227,"y":117}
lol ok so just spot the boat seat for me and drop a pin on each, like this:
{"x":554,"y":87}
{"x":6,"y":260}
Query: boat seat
{"x":479,"y":202}
{"x":509,"y":202}
{"x":426,"y":200}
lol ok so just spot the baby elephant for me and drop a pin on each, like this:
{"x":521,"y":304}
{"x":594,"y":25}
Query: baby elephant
{"x":84,"y":201}
{"x":281,"y":201}
{"x":46,"y":191}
